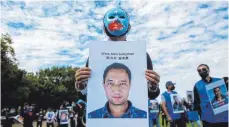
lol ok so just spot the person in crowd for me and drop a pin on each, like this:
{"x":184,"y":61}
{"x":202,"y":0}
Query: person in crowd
{"x":173,"y":118}
{"x":202,"y":102}
{"x":153,"y":116}
{"x":118,"y":34}
{"x":50,"y":118}
{"x":40,"y":117}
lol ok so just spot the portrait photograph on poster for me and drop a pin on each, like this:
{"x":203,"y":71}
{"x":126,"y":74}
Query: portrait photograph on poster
{"x":153,"y":106}
{"x":177,"y":103}
{"x":190,"y":97}
{"x":114,"y":76}
{"x":217,"y":93}
{"x":116,"y":94}
{"x":63,"y":115}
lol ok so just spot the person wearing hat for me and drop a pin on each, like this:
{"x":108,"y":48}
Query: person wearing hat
{"x":202,"y":103}
{"x":173,"y":118}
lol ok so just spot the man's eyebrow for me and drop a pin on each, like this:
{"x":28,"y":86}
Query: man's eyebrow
{"x":109,"y":80}
{"x":123,"y":80}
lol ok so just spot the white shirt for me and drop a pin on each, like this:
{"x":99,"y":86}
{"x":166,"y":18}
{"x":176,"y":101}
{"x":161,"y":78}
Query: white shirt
{"x":50,"y":117}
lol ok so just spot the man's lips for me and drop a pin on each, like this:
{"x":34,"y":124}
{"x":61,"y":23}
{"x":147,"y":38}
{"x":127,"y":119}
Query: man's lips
{"x":115,"y":25}
{"x":117,"y":97}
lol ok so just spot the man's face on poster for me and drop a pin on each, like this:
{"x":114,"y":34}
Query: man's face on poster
{"x":117,"y":86}
{"x":176,"y":99}
{"x":190,"y":97}
{"x":217,"y":92}
{"x":154,"y":105}
{"x":63,"y":116}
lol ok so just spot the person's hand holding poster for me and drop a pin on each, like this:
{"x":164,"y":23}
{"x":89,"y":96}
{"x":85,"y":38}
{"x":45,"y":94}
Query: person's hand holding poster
{"x":177,"y":103}
{"x":217,"y":93}
{"x":117,"y":88}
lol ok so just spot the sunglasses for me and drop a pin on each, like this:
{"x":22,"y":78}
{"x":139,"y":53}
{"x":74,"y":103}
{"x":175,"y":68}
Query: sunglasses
{"x":200,"y":70}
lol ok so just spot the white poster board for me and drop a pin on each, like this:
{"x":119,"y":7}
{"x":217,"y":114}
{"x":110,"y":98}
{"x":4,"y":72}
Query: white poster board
{"x":153,"y":106}
{"x":190,"y":97}
{"x":176,"y":103}
{"x":63,"y":115}
{"x":117,"y":80}
{"x":217,"y":94}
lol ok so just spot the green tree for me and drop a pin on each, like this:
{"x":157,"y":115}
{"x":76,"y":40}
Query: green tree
{"x":47,"y":87}
{"x":14,"y":89}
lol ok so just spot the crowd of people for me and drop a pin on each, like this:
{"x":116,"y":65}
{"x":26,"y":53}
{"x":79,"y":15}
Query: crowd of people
{"x":116,"y":26}
{"x":51,"y":117}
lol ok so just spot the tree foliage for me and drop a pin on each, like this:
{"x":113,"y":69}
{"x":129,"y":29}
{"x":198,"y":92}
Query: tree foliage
{"x":47,"y":87}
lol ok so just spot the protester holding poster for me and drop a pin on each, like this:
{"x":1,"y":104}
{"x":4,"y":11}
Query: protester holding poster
{"x":116,"y":29}
{"x":61,"y":116}
{"x":154,"y":113}
{"x":64,"y":118}
{"x":40,"y":116}
{"x":118,"y":34}
{"x":170,"y":107}
{"x":50,"y":118}
{"x":202,"y":99}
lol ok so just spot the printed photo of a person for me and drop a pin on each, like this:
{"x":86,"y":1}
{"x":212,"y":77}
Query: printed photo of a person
{"x":190,"y":98}
{"x":117,"y":84}
{"x":63,"y":117}
{"x":219,"y":99}
{"x":154,"y":107}
{"x":177,"y":106}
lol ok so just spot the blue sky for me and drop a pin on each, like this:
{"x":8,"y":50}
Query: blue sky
{"x":179,"y":35}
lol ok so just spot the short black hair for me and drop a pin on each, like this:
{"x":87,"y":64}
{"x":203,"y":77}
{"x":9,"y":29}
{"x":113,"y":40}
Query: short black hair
{"x":204,"y":65}
{"x":215,"y":89}
{"x":116,"y":66}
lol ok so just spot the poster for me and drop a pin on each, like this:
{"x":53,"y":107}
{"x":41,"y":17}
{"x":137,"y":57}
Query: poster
{"x":117,"y":94}
{"x":217,"y":94}
{"x":190,"y":97}
{"x":63,"y":115}
{"x":176,"y":103}
{"x":19,"y":118}
{"x":153,"y":106}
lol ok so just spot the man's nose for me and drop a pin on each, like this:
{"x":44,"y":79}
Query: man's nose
{"x":116,"y":87}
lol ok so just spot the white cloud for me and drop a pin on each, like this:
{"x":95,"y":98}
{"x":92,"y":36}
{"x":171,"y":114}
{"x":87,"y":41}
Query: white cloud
{"x":42,"y":46}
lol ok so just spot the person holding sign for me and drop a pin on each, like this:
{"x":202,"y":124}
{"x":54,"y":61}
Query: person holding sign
{"x":116,"y":26}
{"x":117,"y":83}
{"x":40,"y":118}
{"x":111,"y":22}
{"x":167,"y":106}
{"x":50,"y":118}
{"x":202,"y":103}
{"x":154,"y":113}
